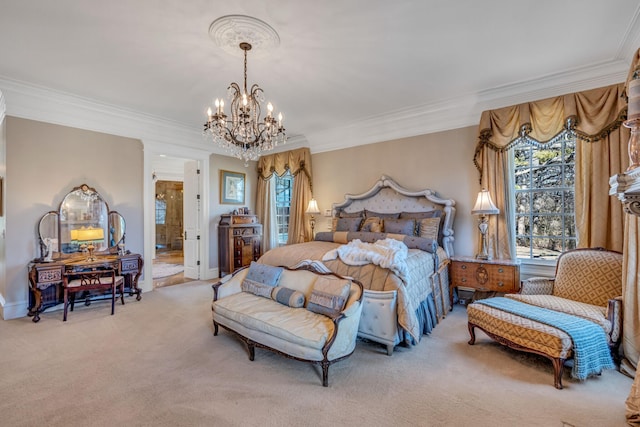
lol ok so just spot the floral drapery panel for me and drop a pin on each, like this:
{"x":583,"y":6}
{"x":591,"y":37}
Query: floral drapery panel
{"x":298,"y":163}
{"x":594,"y":118}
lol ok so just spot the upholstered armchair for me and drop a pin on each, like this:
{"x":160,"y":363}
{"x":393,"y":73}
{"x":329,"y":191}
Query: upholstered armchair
{"x":587,"y":283}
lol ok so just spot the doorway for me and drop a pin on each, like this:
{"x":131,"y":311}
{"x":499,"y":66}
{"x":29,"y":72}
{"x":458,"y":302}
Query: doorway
{"x":168,"y":264}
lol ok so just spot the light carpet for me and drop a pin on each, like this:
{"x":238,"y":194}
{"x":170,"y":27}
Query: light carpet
{"x":156,"y":362}
{"x":161,"y":269}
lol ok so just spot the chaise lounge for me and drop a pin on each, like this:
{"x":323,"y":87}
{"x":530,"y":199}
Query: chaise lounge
{"x":587,"y":286}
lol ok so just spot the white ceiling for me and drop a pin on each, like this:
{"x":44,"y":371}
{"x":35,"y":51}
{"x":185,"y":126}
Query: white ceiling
{"x":346,"y":72}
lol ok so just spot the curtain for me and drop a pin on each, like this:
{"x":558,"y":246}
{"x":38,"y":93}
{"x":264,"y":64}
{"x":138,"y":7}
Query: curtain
{"x":298,"y":163}
{"x":266,"y":211}
{"x":595,"y":119}
{"x":631,"y":300}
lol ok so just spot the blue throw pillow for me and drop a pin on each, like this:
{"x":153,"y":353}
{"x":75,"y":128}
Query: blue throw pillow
{"x":261,"y":279}
{"x":265,"y":274}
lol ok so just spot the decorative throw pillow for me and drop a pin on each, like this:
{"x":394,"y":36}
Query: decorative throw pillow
{"x":261,"y":279}
{"x":288,"y":297}
{"x":417,"y":215}
{"x":358,"y":214}
{"x":334,"y":223}
{"x":372,"y":224}
{"x":429,"y":228}
{"x":348,"y":224}
{"x":368,"y":214}
{"x":400,"y":226}
{"x":329,"y":296}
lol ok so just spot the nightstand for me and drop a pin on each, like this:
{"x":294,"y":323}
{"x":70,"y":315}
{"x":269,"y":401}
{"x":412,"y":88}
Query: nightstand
{"x":495,"y":275}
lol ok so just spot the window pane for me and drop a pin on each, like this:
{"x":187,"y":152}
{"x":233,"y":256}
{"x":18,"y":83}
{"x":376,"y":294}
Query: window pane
{"x":569,"y":225}
{"x":547,"y":177}
{"x":547,"y":225}
{"x":523,"y":178}
{"x":545,"y":248}
{"x":569,"y":202}
{"x":523,"y":227}
{"x":547,"y":201}
{"x":521,"y":156}
{"x":569,"y":175}
{"x":569,"y":151}
{"x":523,"y":204}
{"x":523,"y":247}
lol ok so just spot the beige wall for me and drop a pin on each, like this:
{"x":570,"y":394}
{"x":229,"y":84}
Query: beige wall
{"x":44,"y":162}
{"x":218,"y":163}
{"x":440,"y":161}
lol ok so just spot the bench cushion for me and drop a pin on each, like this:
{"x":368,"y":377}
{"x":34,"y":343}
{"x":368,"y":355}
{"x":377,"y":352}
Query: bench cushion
{"x":522,"y":331}
{"x":299,"y":326}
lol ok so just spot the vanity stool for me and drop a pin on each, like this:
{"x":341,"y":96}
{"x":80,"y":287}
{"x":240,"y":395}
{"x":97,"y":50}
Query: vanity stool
{"x":92,"y":280}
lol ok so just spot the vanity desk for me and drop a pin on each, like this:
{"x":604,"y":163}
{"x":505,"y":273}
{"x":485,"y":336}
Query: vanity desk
{"x":45,"y":278}
{"x":82,"y":235}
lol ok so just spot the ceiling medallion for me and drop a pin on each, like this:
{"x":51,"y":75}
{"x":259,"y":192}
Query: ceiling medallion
{"x":231,"y":30}
{"x":245,"y":134}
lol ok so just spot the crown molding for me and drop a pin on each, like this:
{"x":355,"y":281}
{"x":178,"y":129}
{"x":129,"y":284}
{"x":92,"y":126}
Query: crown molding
{"x":33,"y":102}
{"x":465,"y":110}
{"x":28,"y":101}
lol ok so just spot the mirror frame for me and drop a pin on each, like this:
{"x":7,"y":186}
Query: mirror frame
{"x":112,"y":223}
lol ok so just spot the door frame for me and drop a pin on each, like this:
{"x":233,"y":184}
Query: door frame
{"x":151,"y":149}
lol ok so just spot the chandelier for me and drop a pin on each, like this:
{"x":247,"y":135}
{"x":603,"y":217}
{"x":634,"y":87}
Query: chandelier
{"x":244,"y":133}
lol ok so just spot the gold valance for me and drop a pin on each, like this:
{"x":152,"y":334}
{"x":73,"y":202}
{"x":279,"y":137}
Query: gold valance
{"x":294,"y":161}
{"x":590,"y":116}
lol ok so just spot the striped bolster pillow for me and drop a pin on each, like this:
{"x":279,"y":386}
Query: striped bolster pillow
{"x":288,"y":297}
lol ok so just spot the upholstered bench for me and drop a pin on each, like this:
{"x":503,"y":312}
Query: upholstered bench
{"x":522,"y":334}
{"x":305,"y":313}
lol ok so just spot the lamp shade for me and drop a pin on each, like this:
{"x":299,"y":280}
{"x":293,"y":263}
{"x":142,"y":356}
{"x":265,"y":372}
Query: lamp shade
{"x":313,"y":207}
{"x":484,"y":204}
{"x":90,"y":234}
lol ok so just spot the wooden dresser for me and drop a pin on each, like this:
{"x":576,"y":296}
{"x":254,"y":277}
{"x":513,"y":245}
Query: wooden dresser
{"x":239,"y":242}
{"x":496,"y":275}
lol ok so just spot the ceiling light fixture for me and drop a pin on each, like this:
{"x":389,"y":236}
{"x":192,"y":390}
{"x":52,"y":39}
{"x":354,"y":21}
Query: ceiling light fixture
{"x":244,"y":133}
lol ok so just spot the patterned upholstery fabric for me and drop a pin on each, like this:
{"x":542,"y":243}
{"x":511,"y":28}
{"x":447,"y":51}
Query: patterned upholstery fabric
{"x":522,"y":331}
{"x":537,"y":286}
{"x":589,"y":276}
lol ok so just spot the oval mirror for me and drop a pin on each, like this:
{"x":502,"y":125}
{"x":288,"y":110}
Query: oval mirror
{"x":117,"y":229}
{"x":83,"y":220}
{"x":48,"y":233}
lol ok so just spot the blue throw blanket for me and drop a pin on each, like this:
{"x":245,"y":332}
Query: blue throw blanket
{"x":590,"y":349}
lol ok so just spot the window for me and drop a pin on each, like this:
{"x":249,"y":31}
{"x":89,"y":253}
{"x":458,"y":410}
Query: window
{"x":544,"y":197}
{"x":284,"y":186}
{"x":161,"y":209}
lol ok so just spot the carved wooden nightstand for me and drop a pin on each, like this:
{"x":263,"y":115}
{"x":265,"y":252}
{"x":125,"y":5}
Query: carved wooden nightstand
{"x":499,"y":275}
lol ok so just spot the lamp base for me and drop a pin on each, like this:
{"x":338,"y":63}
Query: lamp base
{"x":483,"y":226}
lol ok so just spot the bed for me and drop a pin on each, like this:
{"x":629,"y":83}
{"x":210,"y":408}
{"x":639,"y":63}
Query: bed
{"x":403,"y":301}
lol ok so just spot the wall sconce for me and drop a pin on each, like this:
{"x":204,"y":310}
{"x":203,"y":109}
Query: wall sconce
{"x":312,"y":210}
{"x":484,"y":206}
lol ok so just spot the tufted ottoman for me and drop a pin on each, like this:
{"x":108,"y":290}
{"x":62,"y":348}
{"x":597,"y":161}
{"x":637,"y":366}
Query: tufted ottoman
{"x":522,"y":334}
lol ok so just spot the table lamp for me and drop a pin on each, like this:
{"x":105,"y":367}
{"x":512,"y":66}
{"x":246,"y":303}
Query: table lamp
{"x":312,"y":210}
{"x":87,"y":237}
{"x":484,"y":206}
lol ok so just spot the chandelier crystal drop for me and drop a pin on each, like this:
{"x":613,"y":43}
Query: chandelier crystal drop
{"x":244,"y":134}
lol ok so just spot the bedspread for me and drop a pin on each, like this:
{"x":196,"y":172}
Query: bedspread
{"x":412,"y":289}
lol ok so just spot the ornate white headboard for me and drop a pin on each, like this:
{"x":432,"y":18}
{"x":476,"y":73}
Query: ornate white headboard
{"x":387,"y":196}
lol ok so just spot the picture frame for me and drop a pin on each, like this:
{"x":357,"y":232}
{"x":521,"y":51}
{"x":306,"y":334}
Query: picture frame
{"x":232,"y":186}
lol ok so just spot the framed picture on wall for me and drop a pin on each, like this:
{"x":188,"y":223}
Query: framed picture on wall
{"x":231,"y":187}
